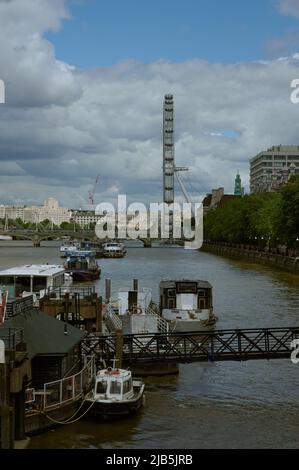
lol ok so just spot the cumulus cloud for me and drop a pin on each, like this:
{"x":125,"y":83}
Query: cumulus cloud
{"x":60,"y":127}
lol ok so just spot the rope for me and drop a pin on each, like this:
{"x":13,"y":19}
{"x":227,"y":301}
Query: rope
{"x":74,"y":420}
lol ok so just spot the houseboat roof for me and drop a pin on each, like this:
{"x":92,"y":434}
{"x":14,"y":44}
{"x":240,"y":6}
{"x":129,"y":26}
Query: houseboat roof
{"x":167,"y":283}
{"x":34,"y":270}
{"x":44,"y":334}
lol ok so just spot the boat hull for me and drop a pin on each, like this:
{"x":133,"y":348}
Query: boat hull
{"x":106,"y":410}
{"x":85,"y":276}
{"x":114,"y":255}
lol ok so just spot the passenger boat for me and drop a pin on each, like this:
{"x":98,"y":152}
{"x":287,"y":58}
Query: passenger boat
{"x":82,"y":265}
{"x":68,"y":247}
{"x":34,"y":279}
{"x":187,"y":304}
{"x":114,"y":250}
{"x":115,"y":394}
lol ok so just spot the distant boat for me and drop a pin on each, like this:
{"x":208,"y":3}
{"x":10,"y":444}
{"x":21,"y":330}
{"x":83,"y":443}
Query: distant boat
{"x":68,"y":247}
{"x":82,"y":265}
{"x":115,"y":394}
{"x":114,"y":250}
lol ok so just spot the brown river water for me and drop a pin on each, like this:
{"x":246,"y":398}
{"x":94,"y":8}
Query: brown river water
{"x":254,"y":404}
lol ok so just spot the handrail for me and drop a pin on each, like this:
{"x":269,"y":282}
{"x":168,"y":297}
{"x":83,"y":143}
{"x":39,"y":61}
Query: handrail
{"x":72,"y":386}
{"x":115,"y":320}
{"x":163,"y":325}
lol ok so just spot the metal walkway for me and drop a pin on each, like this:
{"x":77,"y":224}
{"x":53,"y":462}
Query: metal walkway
{"x":215,"y":345}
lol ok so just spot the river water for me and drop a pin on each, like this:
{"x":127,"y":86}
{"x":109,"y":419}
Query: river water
{"x":253,"y":404}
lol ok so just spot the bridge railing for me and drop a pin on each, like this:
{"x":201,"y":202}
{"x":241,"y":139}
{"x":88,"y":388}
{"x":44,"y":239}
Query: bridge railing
{"x":236,"y":345}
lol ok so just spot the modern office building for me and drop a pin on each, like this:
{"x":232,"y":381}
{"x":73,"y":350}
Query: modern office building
{"x":271,"y":169}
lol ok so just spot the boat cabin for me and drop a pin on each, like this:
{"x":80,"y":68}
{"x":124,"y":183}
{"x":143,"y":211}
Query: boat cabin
{"x":32,"y":279}
{"x":113,"y":384}
{"x":81,"y":260}
{"x":186,"y":295}
{"x":134,"y":301}
{"x":113,"y":249}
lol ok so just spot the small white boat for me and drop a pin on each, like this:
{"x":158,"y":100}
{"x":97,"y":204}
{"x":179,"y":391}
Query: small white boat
{"x":114,"y":250}
{"x":115,"y":394}
{"x":187,"y":305}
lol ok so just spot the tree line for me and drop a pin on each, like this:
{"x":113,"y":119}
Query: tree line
{"x":264,"y":219}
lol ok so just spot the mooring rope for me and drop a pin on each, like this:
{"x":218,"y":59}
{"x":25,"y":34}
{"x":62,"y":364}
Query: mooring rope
{"x":70,"y":420}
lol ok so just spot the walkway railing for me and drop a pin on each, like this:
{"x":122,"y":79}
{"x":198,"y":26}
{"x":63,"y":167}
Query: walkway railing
{"x":66,"y":390}
{"x":163,"y":325}
{"x":113,"y":320}
{"x":197,"y":346}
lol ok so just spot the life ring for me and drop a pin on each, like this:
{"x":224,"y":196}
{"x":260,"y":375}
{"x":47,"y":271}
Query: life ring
{"x":137,"y":310}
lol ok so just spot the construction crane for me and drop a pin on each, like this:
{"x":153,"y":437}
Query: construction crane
{"x":92,"y":192}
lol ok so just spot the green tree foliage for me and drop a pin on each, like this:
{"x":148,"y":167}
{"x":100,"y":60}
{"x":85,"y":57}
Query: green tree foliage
{"x":289,"y":217}
{"x":267,"y":218}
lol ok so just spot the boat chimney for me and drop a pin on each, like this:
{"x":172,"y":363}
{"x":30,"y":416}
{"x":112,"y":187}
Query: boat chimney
{"x":135,"y":284}
{"x":107,"y":290}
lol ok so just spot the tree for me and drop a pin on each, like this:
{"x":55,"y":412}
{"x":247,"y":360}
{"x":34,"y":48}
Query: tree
{"x":289,"y":219}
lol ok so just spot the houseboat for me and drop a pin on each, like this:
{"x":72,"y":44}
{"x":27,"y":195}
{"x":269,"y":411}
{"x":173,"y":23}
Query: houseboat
{"x":114,"y":250}
{"x":82,"y":265}
{"x":34,"y":279}
{"x":187,"y":304}
{"x":115,"y":394}
{"x":68,"y":247}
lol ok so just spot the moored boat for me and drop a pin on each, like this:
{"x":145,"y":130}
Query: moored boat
{"x":114,"y":250}
{"x":34,"y":279}
{"x":115,"y":394}
{"x":82,"y":265}
{"x":187,"y":304}
{"x":68,"y":247}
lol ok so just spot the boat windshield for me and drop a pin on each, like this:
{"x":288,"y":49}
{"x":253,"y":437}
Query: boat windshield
{"x":115,"y":388}
{"x":102,"y":387}
{"x":127,"y":387}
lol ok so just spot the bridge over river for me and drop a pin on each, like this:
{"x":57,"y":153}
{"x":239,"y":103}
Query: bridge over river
{"x":37,"y":236}
{"x":199,"y":346}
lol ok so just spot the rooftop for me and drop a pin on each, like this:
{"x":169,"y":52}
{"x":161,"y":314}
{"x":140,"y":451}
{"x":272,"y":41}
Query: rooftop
{"x":167,"y":283}
{"x":34,"y":270}
{"x":44,"y":334}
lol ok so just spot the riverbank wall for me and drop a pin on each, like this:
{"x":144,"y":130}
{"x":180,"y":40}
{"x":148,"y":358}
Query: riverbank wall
{"x":250,"y":253}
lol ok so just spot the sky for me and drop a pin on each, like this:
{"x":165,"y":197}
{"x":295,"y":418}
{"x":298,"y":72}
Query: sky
{"x":85,"y":82}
